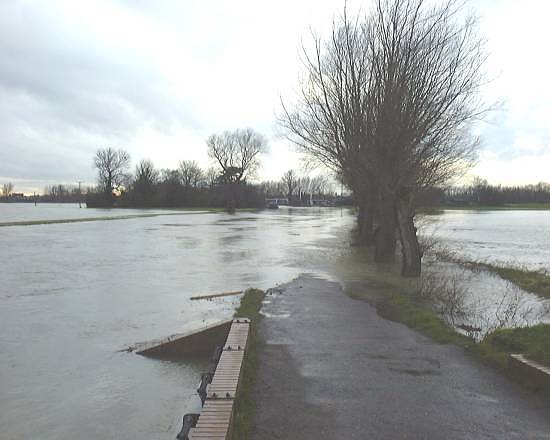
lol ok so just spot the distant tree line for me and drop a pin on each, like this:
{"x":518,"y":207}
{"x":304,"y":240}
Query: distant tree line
{"x":481,"y":193}
{"x":63,"y":193}
{"x":236,"y":158}
{"x":236,"y":155}
{"x":300,"y":190}
{"x":59,"y":193}
{"x":8,"y":194}
{"x":7,"y":189}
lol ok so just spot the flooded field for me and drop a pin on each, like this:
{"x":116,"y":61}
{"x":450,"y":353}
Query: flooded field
{"x":21,"y":212}
{"x":512,"y":238}
{"x":518,"y":238}
{"x":73,"y":294}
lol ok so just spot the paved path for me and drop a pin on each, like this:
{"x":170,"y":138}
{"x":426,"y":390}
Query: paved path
{"x":332,"y":368}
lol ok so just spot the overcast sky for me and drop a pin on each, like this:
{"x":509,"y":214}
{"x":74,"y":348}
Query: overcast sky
{"x":157,"y":77}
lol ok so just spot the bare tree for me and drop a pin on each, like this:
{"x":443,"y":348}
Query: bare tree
{"x":211,"y":177}
{"x":237,"y":153}
{"x":7,"y":189}
{"x":113,"y":168}
{"x":272,"y":188}
{"x":171,"y":177}
{"x":424,"y":94}
{"x":330,"y":119}
{"x":190,"y":173}
{"x":57,"y":191}
{"x":319,"y":184}
{"x":387,"y":104}
{"x":290,"y":183}
{"x":146,"y":174}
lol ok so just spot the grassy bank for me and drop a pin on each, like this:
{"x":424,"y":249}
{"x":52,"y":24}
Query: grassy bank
{"x":534,"y":342}
{"x":414,"y":312}
{"x":250,"y":306}
{"x":533,"y":281}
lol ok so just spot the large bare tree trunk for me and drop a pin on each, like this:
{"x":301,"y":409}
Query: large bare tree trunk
{"x":365,"y":222}
{"x":410,"y":249}
{"x":388,"y":102}
{"x":385,"y":232}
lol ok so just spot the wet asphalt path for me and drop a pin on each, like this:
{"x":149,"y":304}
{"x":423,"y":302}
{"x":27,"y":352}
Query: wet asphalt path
{"x":331,"y":368}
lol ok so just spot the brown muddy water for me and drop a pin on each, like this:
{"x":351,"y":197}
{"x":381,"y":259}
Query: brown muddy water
{"x":73,"y":294}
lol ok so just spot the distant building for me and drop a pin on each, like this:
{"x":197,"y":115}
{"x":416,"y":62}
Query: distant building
{"x":277,"y":201}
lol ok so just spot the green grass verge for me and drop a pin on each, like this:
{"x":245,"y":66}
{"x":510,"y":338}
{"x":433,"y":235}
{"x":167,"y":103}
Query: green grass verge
{"x":533,"y":281}
{"x":415,"y":313}
{"x":534,"y":341}
{"x":250,"y":306}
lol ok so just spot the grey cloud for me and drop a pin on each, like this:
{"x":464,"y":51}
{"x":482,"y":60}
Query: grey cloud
{"x":501,"y":133}
{"x":61,"y":96}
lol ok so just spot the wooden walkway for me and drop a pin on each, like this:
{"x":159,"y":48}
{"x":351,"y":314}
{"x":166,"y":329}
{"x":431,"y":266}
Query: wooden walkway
{"x":216,"y":419}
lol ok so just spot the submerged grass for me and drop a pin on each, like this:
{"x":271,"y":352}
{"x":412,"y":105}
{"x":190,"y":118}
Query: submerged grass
{"x":76,"y":220}
{"x":533,"y":281}
{"x":177,"y":211}
{"x":504,"y":207}
{"x":250,"y":306}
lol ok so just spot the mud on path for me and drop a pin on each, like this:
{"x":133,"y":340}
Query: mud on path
{"x":330,"y":367}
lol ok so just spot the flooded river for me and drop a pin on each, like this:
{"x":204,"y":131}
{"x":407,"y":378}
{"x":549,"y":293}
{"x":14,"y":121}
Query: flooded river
{"x":519,"y":238}
{"x":73,"y":294}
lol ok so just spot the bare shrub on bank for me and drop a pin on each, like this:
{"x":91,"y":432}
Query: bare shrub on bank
{"x":514,"y":309}
{"x":452,"y":300}
{"x":447,"y":294}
